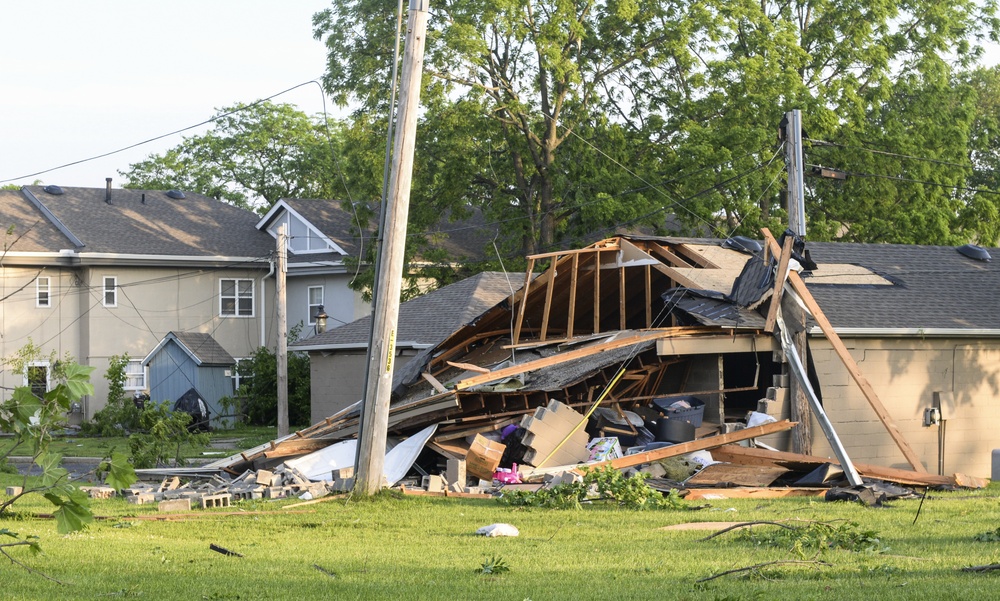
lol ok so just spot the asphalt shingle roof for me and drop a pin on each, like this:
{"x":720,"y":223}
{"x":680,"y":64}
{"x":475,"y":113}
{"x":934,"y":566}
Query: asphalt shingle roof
{"x":204,"y":348}
{"x":148,"y":222}
{"x":430,"y":318}
{"x":934,"y":287}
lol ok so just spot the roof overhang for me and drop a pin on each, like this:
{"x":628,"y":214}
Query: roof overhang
{"x":910,"y":332}
{"x":72,"y":258}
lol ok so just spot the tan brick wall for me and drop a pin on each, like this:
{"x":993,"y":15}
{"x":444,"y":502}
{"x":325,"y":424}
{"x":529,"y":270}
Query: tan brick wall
{"x":905,"y":373}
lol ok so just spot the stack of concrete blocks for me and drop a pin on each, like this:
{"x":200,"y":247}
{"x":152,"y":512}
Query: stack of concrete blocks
{"x":98,"y":492}
{"x":777,"y":404}
{"x":547,"y":428}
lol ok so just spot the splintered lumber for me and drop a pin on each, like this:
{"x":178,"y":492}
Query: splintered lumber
{"x":695,"y":445}
{"x":779,"y":283}
{"x":750,"y":492}
{"x":852,"y":367}
{"x":751,"y":456}
{"x":615,"y":343}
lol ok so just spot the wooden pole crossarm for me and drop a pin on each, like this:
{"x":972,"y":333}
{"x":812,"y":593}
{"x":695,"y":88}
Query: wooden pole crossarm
{"x":852,"y":367}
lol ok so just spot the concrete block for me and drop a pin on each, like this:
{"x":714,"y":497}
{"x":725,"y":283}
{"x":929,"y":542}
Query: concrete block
{"x":170,"y":484}
{"x":98,"y":492}
{"x":142,"y":498}
{"x":275,"y":492}
{"x":265,"y":478}
{"x":780,"y":380}
{"x":175,"y":505}
{"x":433,"y":483}
{"x":455,"y":472}
{"x":13,"y":491}
{"x":218,"y":500}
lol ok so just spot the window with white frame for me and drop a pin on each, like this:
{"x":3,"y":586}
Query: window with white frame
{"x":315,"y":303}
{"x":236,"y":298}
{"x":36,"y":377}
{"x":43,"y":292}
{"x":110,"y":291}
{"x":234,"y":375}
{"x":135,"y":375}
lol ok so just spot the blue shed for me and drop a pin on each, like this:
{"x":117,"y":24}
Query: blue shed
{"x":186,"y":360}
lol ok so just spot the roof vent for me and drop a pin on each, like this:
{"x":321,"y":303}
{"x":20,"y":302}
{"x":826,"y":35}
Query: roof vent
{"x":175,"y":194}
{"x":743,"y":244}
{"x":974,"y":252}
{"x":53,"y":189}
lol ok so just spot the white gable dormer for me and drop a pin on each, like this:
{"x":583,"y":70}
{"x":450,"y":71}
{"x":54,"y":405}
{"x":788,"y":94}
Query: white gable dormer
{"x":303,"y":237}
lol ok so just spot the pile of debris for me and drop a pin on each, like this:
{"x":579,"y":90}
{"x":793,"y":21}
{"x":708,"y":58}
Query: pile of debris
{"x":585,"y":367}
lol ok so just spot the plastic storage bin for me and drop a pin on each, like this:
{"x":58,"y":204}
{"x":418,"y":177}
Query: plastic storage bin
{"x":692,"y":415}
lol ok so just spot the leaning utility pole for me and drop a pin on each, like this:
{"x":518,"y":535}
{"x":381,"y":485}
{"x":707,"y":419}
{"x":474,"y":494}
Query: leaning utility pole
{"x":388,"y":280}
{"x":282,"y":354}
{"x":796,"y":187}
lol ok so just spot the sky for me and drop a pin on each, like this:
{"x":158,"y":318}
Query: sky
{"x":87,"y":77}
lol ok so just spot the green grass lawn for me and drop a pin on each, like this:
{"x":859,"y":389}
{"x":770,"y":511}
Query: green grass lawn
{"x":420,"y":547}
{"x":224,"y":442}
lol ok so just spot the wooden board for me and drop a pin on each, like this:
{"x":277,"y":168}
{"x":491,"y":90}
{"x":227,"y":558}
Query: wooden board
{"x":749,"y":456}
{"x":739,"y":475}
{"x":708,"y":494}
{"x":695,"y":445}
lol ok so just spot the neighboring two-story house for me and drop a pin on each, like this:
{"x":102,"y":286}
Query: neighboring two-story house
{"x":92,"y":273}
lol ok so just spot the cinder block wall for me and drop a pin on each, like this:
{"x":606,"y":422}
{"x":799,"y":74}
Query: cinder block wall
{"x":905,"y":373}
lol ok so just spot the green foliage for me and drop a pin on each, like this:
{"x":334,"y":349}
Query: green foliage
{"x":31,"y":419}
{"x":566,"y":119}
{"x":260,"y":386}
{"x":817,"y":537}
{"x":163,"y":434}
{"x":120,"y":416}
{"x":606,"y":485}
{"x":494,"y":566}
{"x":254,"y":155}
{"x":118,"y":472}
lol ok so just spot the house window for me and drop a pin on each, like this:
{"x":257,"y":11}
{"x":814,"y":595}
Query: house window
{"x":37,"y":377}
{"x":135,"y":375}
{"x":42,"y":292}
{"x":234,"y":375}
{"x":110,"y":291}
{"x":315,"y":303}
{"x":236,"y":298}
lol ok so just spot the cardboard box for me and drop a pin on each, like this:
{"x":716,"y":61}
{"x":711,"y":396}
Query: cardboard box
{"x":484,"y":457}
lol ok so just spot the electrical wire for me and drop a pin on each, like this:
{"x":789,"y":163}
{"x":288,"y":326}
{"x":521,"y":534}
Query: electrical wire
{"x":887,"y":153}
{"x":914,"y":181}
{"x":160,"y":137}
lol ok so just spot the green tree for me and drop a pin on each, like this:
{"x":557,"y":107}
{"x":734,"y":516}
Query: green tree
{"x":254,"y":155}
{"x":560,"y":117}
{"x":259,"y":388}
{"x":517,"y":98}
{"x":32,"y":418}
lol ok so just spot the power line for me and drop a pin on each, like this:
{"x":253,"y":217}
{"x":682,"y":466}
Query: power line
{"x":160,"y":137}
{"x":887,"y":153}
{"x":915,"y":181}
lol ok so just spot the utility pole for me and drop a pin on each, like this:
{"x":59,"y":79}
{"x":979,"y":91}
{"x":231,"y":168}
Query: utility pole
{"x":282,"y":332}
{"x":388,"y":280}
{"x":793,"y":160}
{"x":795,"y":319}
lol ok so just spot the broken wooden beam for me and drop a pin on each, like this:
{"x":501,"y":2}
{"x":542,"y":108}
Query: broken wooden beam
{"x":753,"y":456}
{"x":695,"y":445}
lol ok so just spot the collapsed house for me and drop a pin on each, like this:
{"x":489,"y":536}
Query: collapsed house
{"x":880,"y":359}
